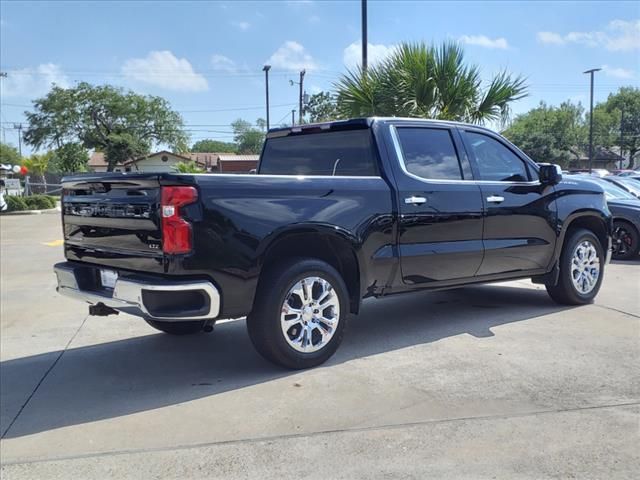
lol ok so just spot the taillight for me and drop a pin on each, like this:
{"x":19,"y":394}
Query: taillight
{"x":176,"y":231}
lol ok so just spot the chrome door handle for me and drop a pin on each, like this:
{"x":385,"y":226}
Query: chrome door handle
{"x":495,"y":199}
{"x":413,"y":200}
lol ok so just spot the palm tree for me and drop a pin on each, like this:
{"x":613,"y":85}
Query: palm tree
{"x":417,"y":80}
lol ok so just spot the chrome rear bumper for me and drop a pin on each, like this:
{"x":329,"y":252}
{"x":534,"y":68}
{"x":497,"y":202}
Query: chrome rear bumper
{"x":128,"y":295}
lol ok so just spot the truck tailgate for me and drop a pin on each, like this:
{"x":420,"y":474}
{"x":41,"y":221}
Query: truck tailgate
{"x":110,"y":220}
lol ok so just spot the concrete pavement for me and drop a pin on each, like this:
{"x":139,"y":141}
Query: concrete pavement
{"x":482,"y":382}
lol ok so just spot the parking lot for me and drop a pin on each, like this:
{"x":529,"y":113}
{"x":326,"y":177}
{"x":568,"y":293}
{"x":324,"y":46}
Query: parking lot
{"x":483,"y":382}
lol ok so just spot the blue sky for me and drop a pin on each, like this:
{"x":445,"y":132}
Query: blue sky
{"x":206,"y":57}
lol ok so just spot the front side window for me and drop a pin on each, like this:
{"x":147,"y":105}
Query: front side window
{"x":495,"y":161}
{"x":429,"y":153}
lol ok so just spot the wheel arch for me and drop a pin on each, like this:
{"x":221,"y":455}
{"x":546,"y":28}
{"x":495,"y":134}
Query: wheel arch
{"x":328,"y":243}
{"x":592,"y":220}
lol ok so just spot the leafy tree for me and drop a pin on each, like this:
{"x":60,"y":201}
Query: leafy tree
{"x":550,"y":134}
{"x":627,"y":100}
{"x":120,"y":123}
{"x":207,"y":145}
{"x":417,"y":80}
{"x":9,"y":154}
{"x":248,"y":138}
{"x":322,"y":107}
{"x":187,"y":167}
{"x":70,"y":158}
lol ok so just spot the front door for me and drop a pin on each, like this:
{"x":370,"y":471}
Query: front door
{"x":440,"y":225}
{"x":519,"y":227}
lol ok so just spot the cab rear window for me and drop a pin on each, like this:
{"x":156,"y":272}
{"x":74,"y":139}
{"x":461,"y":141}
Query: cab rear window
{"x":340,"y":153}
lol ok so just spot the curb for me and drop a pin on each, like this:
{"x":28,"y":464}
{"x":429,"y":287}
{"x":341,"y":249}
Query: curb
{"x":34,"y":212}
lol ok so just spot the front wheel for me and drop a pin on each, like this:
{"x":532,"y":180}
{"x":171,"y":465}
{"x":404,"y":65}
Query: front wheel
{"x":177,"y":328}
{"x":300,"y":314}
{"x":581,"y":269}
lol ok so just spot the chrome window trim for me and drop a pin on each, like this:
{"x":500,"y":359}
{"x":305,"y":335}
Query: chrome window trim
{"x":400,"y":155}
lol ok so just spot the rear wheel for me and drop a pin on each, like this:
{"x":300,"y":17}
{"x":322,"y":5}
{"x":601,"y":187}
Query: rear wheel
{"x":300,"y":314}
{"x":177,"y":328}
{"x":626,"y":240}
{"x":581,"y":269}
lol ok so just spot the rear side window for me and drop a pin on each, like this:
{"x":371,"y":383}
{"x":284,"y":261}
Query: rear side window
{"x":429,"y":153}
{"x":495,"y":161}
{"x":347,"y":153}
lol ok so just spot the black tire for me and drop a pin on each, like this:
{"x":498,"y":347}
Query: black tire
{"x":626,"y":240}
{"x":264,"y":322}
{"x":565,"y":292}
{"x":177,"y":328}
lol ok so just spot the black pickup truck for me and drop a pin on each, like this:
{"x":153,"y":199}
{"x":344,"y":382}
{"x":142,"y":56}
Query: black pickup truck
{"x":337,"y":212}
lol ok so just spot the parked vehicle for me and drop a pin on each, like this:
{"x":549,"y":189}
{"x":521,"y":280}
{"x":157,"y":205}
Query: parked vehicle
{"x":335,"y":213}
{"x":626,"y":183}
{"x":625,"y":209}
{"x":596,"y":172}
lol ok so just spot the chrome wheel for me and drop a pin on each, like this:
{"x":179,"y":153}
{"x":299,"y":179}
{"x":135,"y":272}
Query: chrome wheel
{"x":622,"y":241}
{"x":585,"y":267}
{"x":310,"y":314}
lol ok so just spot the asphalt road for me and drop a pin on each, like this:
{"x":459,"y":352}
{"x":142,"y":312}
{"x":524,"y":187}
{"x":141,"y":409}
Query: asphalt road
{"x":484,"y":382}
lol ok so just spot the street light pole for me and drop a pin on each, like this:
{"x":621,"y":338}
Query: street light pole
{"x":266,"y":69}
{"x":293,"y":117}
{"x":591,"y":72}
{"x":364,"y":36}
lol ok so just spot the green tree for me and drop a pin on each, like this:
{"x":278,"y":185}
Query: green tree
{"x":187,"y":167}
{"x":120,"y":123}
{"x":417,"y":80}
{"x":69,"y":158}
{"x":550,"y":134}
{"x":626,"y":100}
{"x":322,"y":107}
{"x":207,"y":146}
{"x":248,"y":138}
{"x":38,"y":165}
{"x":9,"y":154}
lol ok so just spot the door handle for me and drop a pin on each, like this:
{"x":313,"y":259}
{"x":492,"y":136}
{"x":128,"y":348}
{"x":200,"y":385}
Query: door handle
{"x":413,"y":200}
{"x":495,"y":199}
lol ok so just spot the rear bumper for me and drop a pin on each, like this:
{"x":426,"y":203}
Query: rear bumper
{"x":143,"y":296}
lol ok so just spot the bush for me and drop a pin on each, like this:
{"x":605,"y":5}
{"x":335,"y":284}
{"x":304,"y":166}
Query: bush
{"x":39,"y":202}
{"x":15,"y":204}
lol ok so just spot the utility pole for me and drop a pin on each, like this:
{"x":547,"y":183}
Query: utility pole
{"x":293,"y":117}
{"x":591,"y":72}
{"x":300,"y":106}
{"x":621,"y":136}
{"x":18,"y":126}
{"x":266,"y":69}
{"x":2,"y":75}
{"x":364,"y":36}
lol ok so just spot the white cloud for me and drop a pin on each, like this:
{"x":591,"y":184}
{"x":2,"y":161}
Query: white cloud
{"x":31,"y":82}
{"x":619,"y":35}
{"x":164,"y":69}
{"x":484,"y":41}
{"x":617,"y":72}
{"x":244,"y":26}
{"x":292,"y":56}
{"x":352,"y":55}
{"x":223,"y":64}
{"x":550,"y":38}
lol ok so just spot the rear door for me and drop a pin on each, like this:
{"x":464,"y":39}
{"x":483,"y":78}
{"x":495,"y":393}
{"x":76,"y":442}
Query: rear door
{"x":440,"y":225}
{"x":113,"y":221}
{"x":519,"y":227}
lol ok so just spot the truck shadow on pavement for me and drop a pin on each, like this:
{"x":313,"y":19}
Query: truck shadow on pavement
{"x":113,"y":379}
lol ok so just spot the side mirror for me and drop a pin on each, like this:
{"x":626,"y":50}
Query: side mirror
{"x":550,"y":174}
